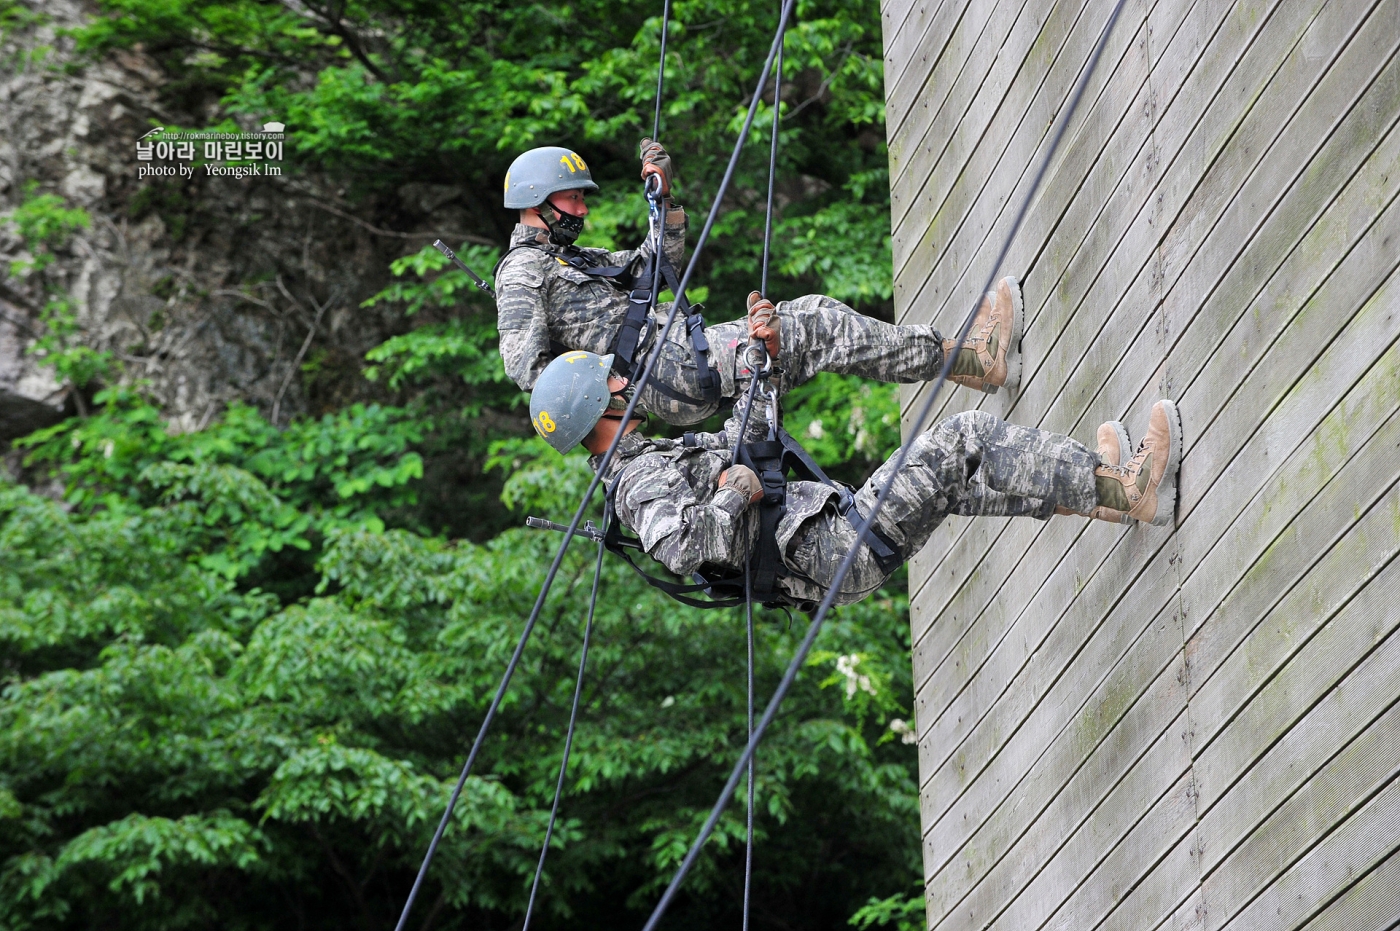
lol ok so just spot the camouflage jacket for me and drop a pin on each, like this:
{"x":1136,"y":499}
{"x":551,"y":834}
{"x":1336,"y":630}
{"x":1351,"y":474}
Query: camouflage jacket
{"x":540,"y":300}
{"x":668,"y":494}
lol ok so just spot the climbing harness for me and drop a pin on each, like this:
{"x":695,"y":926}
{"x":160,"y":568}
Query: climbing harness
{"x":592,"y":488}
{"x":771,"y":460}
{"x":642,"y":289}
{"x":800,"y":657}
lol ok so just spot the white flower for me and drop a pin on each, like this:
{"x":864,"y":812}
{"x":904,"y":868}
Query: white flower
{"x":815,"y":429}
{"x":668,"y":701}
{"x":108,"y":450}
{"x":905,"y":730}
{"x":846,"y":665}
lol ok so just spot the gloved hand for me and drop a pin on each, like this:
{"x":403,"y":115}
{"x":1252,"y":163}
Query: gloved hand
{"x":656,"y":161}
{"x":743,"y":480}
{"x":764,"y":322}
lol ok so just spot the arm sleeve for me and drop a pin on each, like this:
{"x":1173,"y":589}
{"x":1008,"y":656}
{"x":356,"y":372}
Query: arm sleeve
{"x":522,"y":320}
{"x":657,"y":504}
{"x":757,"y":426}
{"x":672,"y":241}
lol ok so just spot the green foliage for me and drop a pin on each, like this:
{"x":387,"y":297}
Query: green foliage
{"x":379,"y":93}
{"x":174,"y":747}
{"x":461,"y":349}
{"x":241,"y":666}
{"x":849,"y":424}
{"x":241,"y":490}
{"x":45,"y":224}
{"x":900,"y":912}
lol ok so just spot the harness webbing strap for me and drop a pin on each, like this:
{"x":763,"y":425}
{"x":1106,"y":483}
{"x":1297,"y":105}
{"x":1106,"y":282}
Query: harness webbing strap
{"x":707,"y":377}
{"x":770,"y":460}
{"x":617,"y":543}
{"x":766,"y":562}
{"x":629,"y":336}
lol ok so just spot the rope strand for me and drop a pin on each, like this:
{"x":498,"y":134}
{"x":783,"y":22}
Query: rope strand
{"x":748,"y":836}
{"x":592,"y":488}
{"x":568,"y":738}
{"x":661,"y":71}
{"x":772,"y":160}
{"x":790,"y":674}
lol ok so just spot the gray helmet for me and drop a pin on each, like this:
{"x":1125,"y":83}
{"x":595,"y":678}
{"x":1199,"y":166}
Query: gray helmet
{"x":570,"y":397}
{"x":538,"y":173}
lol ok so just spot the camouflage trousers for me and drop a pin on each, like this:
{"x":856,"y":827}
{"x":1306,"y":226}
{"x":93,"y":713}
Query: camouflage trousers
{"x":818,"y":334}
{"x":972,"y":464}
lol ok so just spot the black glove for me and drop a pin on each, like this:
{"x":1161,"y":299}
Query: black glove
{"x":656,"y":161}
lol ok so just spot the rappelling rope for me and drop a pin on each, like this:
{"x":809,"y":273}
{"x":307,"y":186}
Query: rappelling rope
{"x":661,"y":71}
{"x":864,"y":529}
{"x":568,"y":738}
{"x":602,"y":469}
{"x":598,"y":568}
{"x":772,"y":158}
{"x":748,"y":572}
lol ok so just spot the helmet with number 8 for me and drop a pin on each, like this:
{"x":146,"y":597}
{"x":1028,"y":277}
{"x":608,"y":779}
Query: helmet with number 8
{"x":570,"y":397}
{"x":538,"y":173}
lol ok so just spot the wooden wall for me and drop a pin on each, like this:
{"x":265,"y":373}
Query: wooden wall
{"x":1191,"y":726}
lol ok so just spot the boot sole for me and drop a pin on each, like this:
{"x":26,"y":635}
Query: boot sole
{"x":1166,"y":491}
{"x":1125,"y":445}
{"x":1013,"y":352}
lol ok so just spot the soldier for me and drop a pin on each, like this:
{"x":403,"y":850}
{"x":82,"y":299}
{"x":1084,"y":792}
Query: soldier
{"x":553,"y":296}
{"x":691,"y":506}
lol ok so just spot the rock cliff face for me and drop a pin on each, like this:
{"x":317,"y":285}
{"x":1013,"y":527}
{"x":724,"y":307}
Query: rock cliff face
{"x":206,"y":288}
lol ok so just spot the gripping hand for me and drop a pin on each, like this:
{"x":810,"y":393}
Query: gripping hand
{"x":764,"y":322}
{"x":656,"y":161}
{"x":743,"y":480}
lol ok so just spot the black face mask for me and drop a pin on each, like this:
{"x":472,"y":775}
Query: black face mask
{"x":620,"y":399}
{"x":564,"y":228}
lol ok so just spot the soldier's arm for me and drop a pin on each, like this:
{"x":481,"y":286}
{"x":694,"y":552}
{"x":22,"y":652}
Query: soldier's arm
{"x":756,"y":427}
{"x":522,"y":318}
{"x":655,"y":501}
{"x":672,"y":242}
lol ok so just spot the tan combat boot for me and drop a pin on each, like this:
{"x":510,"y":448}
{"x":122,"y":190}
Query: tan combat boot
{"x":1145,"y":488}
{"x":1114,"y":448}
{"x":991,"y":357}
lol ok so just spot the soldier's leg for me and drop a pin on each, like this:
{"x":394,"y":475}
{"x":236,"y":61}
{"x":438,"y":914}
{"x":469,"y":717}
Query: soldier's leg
{"x":976,"y":464}
{"x":674,"y":391}
{"x":821,"y":334}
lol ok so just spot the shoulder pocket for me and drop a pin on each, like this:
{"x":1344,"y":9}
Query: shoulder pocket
{"x":659,"y":481}
{"x":523,"y":270}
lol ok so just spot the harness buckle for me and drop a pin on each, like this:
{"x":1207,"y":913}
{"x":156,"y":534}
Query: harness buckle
{"x":774,"y":486}
{"x":640,"y":296}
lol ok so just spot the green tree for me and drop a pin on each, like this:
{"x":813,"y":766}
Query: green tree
{"x":180,"y":747}
{"x":241,"y":667}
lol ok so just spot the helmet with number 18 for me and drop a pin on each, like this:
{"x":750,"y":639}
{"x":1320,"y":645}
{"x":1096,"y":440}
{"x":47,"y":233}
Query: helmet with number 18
{"x":538,"y":173}
{"x":570,"y":397}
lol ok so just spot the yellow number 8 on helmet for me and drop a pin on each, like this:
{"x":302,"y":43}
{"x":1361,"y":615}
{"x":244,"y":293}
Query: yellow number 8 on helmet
{"x":569,"y":397}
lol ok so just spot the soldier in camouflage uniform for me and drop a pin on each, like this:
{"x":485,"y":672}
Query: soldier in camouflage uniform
{"x":690,"y":505}
{"x":547,"y":306}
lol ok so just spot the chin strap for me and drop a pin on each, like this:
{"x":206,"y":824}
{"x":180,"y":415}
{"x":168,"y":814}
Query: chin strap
{"x":564,"y":228}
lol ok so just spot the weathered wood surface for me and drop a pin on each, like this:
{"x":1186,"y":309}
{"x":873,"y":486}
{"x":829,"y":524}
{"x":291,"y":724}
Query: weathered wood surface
{"x":1190,"y":727}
